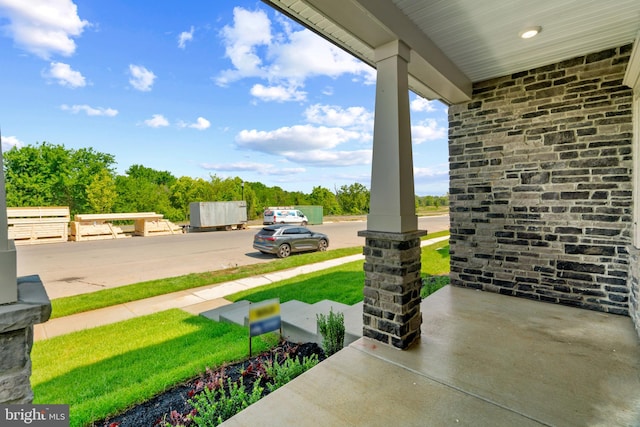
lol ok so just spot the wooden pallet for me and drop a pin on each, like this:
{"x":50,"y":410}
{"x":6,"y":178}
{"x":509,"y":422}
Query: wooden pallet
{"x":156,"y":228}
{"x":81,"y":231}
{"x":99,"y":226}
{"x":36,"y":225}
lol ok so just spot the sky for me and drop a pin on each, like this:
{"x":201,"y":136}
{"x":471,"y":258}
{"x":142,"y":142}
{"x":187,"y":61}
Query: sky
{"x":200,"y":88}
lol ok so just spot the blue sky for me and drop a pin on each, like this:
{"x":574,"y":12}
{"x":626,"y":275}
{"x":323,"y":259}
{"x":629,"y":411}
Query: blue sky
{"x":231,"y":88}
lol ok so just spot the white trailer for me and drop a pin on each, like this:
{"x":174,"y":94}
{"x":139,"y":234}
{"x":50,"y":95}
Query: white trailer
{"x":218,"y":215}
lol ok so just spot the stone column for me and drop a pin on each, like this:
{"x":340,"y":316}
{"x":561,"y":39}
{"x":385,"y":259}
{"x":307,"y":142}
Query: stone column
{"x":16,"y":339}
{"x":391,"y":309}
{"x":23,"y":303}
{"x":391,"y":312}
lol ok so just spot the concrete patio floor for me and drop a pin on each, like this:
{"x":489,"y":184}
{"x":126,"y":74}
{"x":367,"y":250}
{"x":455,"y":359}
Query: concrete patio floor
{"x":483,"y":360}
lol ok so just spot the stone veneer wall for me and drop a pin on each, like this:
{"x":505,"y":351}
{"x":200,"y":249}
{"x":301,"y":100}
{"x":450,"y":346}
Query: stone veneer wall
{"x":541,"y":184}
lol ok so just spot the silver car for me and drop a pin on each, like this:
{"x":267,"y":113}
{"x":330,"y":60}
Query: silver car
{"x":283,"y":240}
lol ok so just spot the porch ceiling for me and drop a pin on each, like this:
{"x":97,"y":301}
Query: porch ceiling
{"x":457,"y":42}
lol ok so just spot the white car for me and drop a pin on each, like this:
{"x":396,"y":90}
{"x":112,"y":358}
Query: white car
{"x":284,"y":215}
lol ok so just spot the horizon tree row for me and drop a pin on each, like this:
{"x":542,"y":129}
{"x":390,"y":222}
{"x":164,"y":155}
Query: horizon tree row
{"x":85,"y":180}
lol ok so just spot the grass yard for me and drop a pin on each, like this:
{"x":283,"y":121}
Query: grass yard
{"x":343,"y":283}
{"x":105,"y":370}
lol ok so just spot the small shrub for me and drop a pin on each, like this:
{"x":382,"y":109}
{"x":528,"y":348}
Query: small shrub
{"x":215,"y":405}
{"x":217,"y":397}
{"x":331,"y":328}
{"x":281,"y":373}
{"x":430,"y":284}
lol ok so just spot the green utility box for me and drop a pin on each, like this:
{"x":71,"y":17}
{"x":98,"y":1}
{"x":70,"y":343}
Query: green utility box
{"x":314,"y":213}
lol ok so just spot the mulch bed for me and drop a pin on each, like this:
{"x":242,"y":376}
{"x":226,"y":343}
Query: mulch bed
{"x":173,"y":403}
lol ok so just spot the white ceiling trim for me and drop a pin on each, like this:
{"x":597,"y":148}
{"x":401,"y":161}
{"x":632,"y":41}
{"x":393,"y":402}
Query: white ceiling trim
{"x":632,"y":75}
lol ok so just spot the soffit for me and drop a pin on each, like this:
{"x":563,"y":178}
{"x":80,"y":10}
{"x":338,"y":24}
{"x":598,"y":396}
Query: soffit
{"x":456,"y":42}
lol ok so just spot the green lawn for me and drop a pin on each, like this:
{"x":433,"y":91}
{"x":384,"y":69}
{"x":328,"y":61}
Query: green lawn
{"x":343,"y":283}
{"x":105,"y":370}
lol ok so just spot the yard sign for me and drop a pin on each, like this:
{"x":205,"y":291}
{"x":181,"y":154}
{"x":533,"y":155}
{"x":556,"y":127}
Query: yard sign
{"x":264,"y":317}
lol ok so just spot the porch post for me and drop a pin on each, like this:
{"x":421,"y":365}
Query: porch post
{"x":392,"y":206}
{"x":391,"y":311}
{"x":8,"y":266}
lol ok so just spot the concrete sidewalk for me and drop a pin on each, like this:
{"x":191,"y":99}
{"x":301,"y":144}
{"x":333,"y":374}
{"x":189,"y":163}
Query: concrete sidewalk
{"x":194,"y":301}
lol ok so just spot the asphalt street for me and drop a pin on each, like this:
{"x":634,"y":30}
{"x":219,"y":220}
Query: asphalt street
{"x":72,"y":268}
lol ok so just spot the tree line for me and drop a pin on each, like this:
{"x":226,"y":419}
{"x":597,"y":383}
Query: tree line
{"x":85,"y":180}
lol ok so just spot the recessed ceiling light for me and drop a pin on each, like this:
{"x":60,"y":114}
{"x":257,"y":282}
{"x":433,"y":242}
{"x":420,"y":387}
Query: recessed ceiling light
{"x":529,"y":32}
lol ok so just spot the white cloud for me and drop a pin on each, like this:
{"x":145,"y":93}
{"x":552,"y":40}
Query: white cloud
{"x":259,"y":168}
{"x":295,"y":138}
{"x":200,"y":124}
{"x":306,"y":144}
{"x":65,"y":75}
{"x":277,"y":93}
{"x":184,"y":37}
{"x":43,"y":27}
{"x":423,"y":105}
{"x":285,"y":60}
{"x":305,"y":54}
{"x":432,"y":180}
{"x":438,"y":171}
{"x":249,"y":31}
{"x":8,"y":142}
{"x":331,"y":158}
{"x":427,"y":130}
{"x":157,"y":121}
{"x":90,"y":111}
{"x":333,"y":115}
{"x":328,"y":91}
{"x":141,"y":78}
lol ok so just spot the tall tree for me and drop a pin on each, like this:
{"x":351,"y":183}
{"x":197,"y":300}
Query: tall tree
{"x":187,"y":190}
{"x":324,"y":197}
{"x":101,"y":192}
{"x":52,"y":175}
{"x":151,"y":175}
{"x":353,"y":199}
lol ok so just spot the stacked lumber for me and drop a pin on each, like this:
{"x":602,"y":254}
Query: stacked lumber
{"x":99,"y":226}
{"x":35,"y":225}
{"x":81,"y":231}
{"x":156,"y":227}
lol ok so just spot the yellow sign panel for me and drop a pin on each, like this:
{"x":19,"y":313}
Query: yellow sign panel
{"x":264,"y":309}
{"x":264,"y":317}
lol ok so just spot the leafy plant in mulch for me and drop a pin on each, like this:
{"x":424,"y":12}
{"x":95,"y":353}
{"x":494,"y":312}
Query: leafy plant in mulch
{"x":218,"y":394}
{"x":331,"y":327}
{"x":219,"y":397}
{"x":430,"y":284}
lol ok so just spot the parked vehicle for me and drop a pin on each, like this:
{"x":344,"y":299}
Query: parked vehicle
{"x":218,"y":215}
{"x":283,"y":240}
{"x":284,"y":215}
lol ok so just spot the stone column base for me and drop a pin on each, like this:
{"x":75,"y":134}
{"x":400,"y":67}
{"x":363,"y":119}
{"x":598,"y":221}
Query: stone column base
{"x":16,"y":339}
{"x":391,"y":312}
